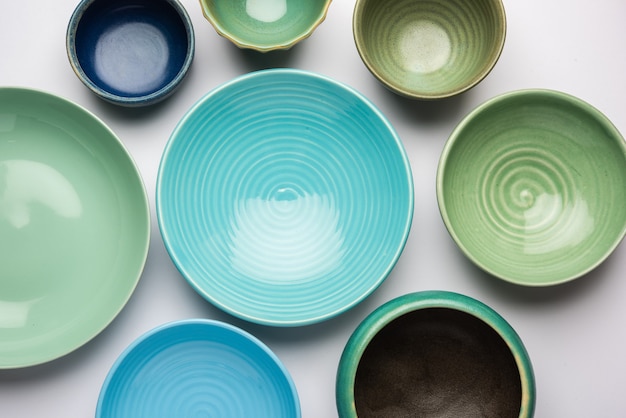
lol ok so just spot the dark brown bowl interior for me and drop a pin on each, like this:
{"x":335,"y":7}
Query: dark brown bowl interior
{"x":437,"y":362}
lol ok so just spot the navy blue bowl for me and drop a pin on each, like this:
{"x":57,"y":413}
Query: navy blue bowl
{"x":130,"y":52}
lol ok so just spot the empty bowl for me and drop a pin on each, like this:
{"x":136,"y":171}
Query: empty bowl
{"x":435,"y":354}
{"x":130,"y":52}
{"x":265,"y":25}
{"x":425,"y":49}
{"x":532,"y":187}
{"x":74,"y":227}
{"x":198,"y":368}
{"x":284,"y":197}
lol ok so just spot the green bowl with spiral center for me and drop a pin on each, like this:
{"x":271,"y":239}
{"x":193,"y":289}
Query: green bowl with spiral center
{"x":532,"y":187}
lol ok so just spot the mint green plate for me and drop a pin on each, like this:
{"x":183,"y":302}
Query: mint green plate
{"x":532,"y":187}
{"x":74,"y":227}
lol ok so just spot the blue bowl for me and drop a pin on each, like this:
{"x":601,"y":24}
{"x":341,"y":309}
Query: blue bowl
{"x":284,"y":197}
{"x":130,"y":52}
{"x":198,"y":367}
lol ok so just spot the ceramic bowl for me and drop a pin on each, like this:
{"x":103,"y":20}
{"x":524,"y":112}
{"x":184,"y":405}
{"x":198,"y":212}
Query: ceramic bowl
{"x":74,"y":227}
{"x":429,"y":49}
{"x":284,"y":197}
{"x":198,"y":368}
{"x":532,"y":187}
{"x":265,"y":25}
{"x":435,"y":354}
{"x":130,"y":52}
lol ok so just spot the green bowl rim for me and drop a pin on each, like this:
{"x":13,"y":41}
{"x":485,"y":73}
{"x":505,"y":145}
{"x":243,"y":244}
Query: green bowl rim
{"x":411,"y":302}
{"x":458,"y":131}
{"x":415,"y":94}
{"x":287,"y":44}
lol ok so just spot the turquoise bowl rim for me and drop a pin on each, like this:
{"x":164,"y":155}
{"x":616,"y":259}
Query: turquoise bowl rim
{"x":395,"y":308}
{"x":204,"y":322}
{"x":134,"y":101}
{"x":393,"y":260}
{"x":458,"y":131}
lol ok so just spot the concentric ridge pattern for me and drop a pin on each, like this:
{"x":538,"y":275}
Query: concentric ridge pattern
{"x":198,"y":368}
{"x":284,"y":197}
{"x":532,"y":187}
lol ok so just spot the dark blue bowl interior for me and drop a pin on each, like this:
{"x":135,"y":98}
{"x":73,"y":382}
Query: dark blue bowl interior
{"x":131,"y":48}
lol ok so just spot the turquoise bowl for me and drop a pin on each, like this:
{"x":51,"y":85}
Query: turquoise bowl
{"x":198,"y":367}
{"x":130,"y":52}
{"x":531,"y":186}
{"x":435,"y":354}
{"x":284,"y":197}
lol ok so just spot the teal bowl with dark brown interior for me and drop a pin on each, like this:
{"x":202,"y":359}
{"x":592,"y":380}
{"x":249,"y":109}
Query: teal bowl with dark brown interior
{"x":435,"y":354}
{"x":429,"y":49}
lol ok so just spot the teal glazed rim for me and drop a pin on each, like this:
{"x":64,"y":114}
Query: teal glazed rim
{"x":394,"y":309}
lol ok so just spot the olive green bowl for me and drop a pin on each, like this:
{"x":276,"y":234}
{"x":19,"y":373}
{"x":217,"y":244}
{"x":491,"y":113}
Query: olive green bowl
{"x":265,"y":25}
{"x":435,"y":354}
{"x":532,"y":187}
{"x":429,"y":49}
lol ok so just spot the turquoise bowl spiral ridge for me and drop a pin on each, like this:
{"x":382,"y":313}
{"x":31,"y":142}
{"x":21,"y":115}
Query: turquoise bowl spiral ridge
{"x":532,"y":187}
{"x":198,"y":367}
{"x":284,"y":197}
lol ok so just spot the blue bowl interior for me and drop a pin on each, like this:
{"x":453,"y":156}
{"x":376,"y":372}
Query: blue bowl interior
{"x":196,"y":368}
{"x":284,"y":197}
{"x":131,"y":48}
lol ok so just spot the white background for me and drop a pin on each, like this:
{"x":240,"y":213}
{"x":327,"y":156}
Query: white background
{"x":574,"y":333}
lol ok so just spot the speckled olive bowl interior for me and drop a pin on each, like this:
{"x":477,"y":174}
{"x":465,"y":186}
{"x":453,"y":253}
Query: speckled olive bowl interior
{"x":435,"y":354}
{"x":532,"y":187}
{"x":429,"y":49}
{"x":130,"y":52}
{"x":265,"y":25}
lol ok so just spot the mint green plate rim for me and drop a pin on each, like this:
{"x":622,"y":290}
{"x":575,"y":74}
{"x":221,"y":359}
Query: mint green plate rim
{"x":402,"y":305}
{"x":74,"y":110}
{"x":595,"y":113}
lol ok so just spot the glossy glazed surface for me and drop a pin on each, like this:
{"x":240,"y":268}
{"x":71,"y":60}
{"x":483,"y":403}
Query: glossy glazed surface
{"x":433,"y":354}
{"x":284,"y":197}
{"x":265,"y":25}
{"x":429,"y":49}
{"x":532,"y":187}
{"x":74,"y":227}
{"x":195,"y":368}
{"x":130,"y":52}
